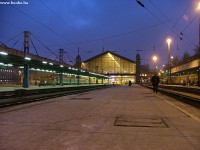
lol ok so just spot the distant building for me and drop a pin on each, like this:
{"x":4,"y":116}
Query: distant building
{"x":121,"y":70}
{"x":145,"y":74}
{"x":138,"y":70}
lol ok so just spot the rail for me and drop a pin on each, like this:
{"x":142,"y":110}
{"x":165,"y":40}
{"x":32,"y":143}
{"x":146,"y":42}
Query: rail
{"x":21,"y":96}
{"x":190,"y":97}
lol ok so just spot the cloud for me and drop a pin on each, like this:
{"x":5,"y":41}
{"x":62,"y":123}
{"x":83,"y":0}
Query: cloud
{"x":81,"y":22}
{"x":81,"y":12}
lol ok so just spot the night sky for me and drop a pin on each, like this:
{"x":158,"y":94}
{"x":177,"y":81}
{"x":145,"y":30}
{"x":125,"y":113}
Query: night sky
{"x":121,"y":26}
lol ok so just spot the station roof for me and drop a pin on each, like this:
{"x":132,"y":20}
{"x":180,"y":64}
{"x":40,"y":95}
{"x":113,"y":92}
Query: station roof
{"x":15,"y":58}
{"x":106,"y":52}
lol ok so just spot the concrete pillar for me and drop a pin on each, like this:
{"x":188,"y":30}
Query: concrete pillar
{"x":96,"y":80}
{"x":61,"y":78}
{"x":89,"y":80}
{"x":26,"y":76}
{"x":78,"y":79}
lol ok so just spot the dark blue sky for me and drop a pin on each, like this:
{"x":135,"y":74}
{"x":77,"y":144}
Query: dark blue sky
{"x":121,"y":26}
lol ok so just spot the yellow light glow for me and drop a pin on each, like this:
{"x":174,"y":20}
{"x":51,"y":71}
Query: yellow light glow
{"x":155,"y":58}
{"x":198,"y":6}
{"x":169,"y":41}
{"x":114,"y":59}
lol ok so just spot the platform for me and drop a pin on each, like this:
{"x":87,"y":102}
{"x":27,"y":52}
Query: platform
{"x":118,"y":118}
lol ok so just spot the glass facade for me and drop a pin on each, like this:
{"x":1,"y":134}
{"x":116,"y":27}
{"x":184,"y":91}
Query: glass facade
{"x":120,"y":69}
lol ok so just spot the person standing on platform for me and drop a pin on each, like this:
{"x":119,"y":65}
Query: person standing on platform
{"x":129,"y":83}
{"x":155,"y":81}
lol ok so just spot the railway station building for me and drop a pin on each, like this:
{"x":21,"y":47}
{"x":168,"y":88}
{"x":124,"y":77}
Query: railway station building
{"x":119,"y":69}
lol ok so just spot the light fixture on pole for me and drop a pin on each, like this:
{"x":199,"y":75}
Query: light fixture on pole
{"x":155,"y":58}
{"x":198,"y":70}
{"x":169,"y":59}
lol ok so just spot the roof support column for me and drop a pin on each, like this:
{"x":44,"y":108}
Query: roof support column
{"x":61,"y":78}
{"x":78,"y":79}
{"x":26,"y":76}
{"x":96,"y":80}
{"x":89,"y":80}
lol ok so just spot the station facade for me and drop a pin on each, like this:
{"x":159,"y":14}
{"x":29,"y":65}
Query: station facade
{"x":119,"y":69}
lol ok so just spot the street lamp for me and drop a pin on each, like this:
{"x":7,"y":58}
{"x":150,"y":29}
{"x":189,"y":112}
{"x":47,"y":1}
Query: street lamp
{"x":154,"y":60}
{"x":198,"y":71}
{"x":169,"y":59}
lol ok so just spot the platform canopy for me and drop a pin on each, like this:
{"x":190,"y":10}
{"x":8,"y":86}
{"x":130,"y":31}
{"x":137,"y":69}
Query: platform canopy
{"x":15,"y":58}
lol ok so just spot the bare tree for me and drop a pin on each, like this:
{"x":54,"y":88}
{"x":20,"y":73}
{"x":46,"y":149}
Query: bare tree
{"x":196,"y":50}
{"x":175,"y":61}
{"x":186,"y":55}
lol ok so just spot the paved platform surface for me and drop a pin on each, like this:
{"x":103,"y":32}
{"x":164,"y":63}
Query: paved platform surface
{"x":118,"y":118}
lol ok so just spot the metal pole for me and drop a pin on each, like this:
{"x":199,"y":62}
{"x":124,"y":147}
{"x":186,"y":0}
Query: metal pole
{"x":26,"y":65}
{"x":198,"y":73}
{"x":61,"y":55}
{"x":199,"y":37}
{"x":169,"y":62}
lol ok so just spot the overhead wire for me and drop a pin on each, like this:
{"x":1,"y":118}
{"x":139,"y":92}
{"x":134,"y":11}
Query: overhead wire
{"x":3,"y":44}
{"x":77,"y":32}
{"x":13,"y":38}
{"x":160,"y":20}
{"x":43,"y":45}
{"x":34,"y":47}
{"x":16,"y":42}
{"x":125,"y":33}
{"x":45,"y":26}
{"x":174,"y":25}
{"x":67,"y":24}
{"x":162,"y":13}
{"x":86,"y":40}
{"x":177,"y":35}
{"x":14,"y":25}
{"x":70,"y":57}
{"x":52,"y":52}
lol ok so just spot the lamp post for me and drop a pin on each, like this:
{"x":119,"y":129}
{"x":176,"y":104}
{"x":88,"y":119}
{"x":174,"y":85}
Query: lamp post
{"x":198,"y":69}
{"x":154,"y":60}
{"x":169,"y":59}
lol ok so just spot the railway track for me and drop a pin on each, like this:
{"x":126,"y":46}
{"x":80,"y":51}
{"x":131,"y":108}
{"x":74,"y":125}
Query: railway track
{"x":22,"y":96}
{"x":186,"y":95}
